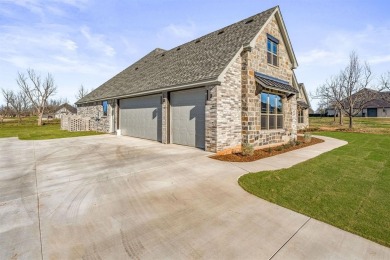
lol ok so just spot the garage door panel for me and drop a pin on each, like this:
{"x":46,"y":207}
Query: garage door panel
{"x":141,"y":117}
{"x":188,"y":117}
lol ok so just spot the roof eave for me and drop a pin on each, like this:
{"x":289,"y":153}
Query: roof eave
{"x":208,"y":82}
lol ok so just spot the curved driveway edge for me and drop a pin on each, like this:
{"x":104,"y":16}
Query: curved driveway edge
{"x":114,"y":197}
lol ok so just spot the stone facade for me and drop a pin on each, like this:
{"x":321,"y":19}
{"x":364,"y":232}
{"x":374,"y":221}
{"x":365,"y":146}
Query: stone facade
{"x":94,"y":111}
{"x":305,"y":124}
{"x":165,"y":118}
{"x":211,"y":119}
{"x":254,"y":59}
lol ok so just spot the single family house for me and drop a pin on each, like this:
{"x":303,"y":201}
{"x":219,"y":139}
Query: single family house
{"x":65,"y":109}
{"x":231,"y":87}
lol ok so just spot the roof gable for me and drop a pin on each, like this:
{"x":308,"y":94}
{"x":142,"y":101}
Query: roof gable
{"x":198,"y":61}
{"x":286,"y":39}
{"x":68,"y":107}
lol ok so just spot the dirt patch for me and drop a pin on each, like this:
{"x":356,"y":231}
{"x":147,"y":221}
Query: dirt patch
{"x":267,"y":152}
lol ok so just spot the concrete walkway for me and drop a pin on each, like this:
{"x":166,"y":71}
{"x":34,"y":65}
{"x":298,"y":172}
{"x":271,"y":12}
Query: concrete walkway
{"x":110,"y":197}
{"x":289,"y":159}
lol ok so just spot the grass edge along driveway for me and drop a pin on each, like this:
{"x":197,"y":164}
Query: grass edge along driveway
{"x":29,"y":130}
{"x":347,"y":187}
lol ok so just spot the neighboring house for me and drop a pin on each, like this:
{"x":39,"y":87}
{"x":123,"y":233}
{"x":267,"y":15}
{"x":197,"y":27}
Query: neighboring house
{"x":230,"y":87}
{"x":377,"y":107}
{"x":65,"y":109}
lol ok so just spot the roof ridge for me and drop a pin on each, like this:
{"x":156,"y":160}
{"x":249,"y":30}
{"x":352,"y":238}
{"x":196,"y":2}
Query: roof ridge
{"x":202,"y":59}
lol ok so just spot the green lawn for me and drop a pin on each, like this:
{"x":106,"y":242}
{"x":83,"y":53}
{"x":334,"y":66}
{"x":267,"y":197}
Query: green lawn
{"x":28,"y":130}
{"x":370,"y":124}
{"x":348,"y":187}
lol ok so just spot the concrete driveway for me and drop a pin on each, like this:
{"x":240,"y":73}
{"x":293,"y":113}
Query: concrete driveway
{"x":109,"y":197}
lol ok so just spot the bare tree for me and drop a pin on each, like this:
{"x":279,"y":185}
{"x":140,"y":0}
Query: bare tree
{"x":329,"y":95}
{"x":82,"y":92}
{"x":385,"y":82}
{"x":39,"y":92}
{"x":6,"y":110}
{"x":348,"y":91}
{"x":354,"y":82}
{"x":18,"y":101}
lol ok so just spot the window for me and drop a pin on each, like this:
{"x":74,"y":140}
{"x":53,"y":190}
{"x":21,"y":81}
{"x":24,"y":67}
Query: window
{"x":105,"y":107}
{"x":271,"y":111}
{"x":301,"y":119}
{"x":272,"y":50}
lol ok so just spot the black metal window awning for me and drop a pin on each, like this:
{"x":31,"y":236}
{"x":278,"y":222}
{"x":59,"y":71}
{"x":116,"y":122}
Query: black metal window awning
{"x":274,"y":84}
{"x":302,"y":104}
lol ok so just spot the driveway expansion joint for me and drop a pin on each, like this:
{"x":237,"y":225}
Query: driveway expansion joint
{"x":296,"y":232}
{"x":38,"y":210}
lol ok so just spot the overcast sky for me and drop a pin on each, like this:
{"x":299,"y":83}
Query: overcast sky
{"x":89,"y":41}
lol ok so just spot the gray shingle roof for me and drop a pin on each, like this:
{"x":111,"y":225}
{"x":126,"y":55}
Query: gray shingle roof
{"x":70,"y":108}
{"x":382,"y":101}
{"x":199,"y":60}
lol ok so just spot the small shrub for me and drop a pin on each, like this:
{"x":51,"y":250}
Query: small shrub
{"x":292,"y":142}
{"x":269,"y":150}
{"x":247,"y":150}
{"x":279,"y":148}
{"x":307,"y":137}
{"x":297,"y":142}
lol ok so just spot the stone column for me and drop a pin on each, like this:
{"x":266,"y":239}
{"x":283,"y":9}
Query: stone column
{"x":211,"y":133}
{"x":250,"y":105}
{"x":165,"y":113}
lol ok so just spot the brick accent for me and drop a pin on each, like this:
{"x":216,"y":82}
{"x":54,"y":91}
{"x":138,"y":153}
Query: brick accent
{"x":229,"y":108}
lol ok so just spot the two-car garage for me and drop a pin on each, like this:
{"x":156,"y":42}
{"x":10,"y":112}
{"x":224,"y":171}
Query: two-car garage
{"x":143,"y":116}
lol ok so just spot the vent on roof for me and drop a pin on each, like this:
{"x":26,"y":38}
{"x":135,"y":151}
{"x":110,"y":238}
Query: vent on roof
{"x":197,"y":41}
{"x":221,"y":32}
{"x":178,"y":49}
{"x":249,"y":21}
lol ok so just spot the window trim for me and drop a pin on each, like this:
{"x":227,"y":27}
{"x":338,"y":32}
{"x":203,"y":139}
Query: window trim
{"x":105,"y":107}
{"x":277,"y":116}
{"x":301,"y":116}
{"x":271,"y":55}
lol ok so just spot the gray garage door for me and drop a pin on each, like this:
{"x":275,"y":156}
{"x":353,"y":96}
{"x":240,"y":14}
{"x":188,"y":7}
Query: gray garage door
{"x":188,"y":117}
{"x":141,"y":117}
{"x":372,"y":112}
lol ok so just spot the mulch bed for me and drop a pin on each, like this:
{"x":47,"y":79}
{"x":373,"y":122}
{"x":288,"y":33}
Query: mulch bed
{"x":267,"y":152}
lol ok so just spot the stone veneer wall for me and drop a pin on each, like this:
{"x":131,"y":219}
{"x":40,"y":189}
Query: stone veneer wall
{"x":165,"y":114}
{"x":229,"y":108}
{"x":95,"y":111}
{"x":211,"y":119}
{"x":255,"y":60}
{"x":305,"y":124}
